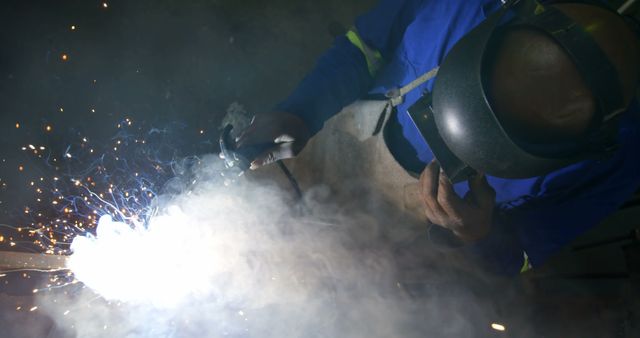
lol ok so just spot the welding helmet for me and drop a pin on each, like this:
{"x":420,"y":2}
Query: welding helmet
{"x":459,"y":124}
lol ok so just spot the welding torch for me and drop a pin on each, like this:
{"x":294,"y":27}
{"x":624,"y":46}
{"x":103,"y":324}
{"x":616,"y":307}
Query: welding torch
{"x":238,"y":160}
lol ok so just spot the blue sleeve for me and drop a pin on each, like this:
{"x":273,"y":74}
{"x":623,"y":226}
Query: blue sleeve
{"x":570,"y":202}
{"x":341,"y":75}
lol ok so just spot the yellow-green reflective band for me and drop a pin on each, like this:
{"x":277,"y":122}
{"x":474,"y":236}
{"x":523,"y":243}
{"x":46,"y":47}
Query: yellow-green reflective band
{"x":526,"y":266}
{"x":373,"y":57}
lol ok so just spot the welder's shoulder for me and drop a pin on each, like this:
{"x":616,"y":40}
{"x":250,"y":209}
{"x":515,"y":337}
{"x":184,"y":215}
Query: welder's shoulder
{"x":453,"y":15}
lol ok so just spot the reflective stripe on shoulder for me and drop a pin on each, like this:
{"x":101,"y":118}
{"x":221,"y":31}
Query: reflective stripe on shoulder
{"x":526,"y":265}
{"x":373,"y":57}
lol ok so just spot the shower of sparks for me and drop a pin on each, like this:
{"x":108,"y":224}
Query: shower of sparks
{"x":76,"y":184}
{"x":117,"y":179}
{"x":87,"y":179}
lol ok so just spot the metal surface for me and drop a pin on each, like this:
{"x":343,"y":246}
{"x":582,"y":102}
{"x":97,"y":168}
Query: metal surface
{"x":10,"y":260}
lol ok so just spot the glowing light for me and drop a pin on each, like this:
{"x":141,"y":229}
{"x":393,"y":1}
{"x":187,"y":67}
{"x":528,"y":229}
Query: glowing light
{"x":33,"y":308}
{"x":498,"y":327}
{"x":17,"y":125}
{"x":64,"y":57}
{"x":73,"y":27}
{"x":48,"y":128}
{"x":143,"y":263}
{"x":453,"y":125}
{"x":61,"y":109}
{"x":142,"y":256}
{"x":105,"y":5}
{"x":20,"y":168}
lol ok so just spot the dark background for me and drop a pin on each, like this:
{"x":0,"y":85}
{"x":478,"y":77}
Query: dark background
{"x":163,"y":64}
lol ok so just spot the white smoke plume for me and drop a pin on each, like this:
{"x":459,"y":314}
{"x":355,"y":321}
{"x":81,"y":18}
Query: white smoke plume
{"x":237,"y":261}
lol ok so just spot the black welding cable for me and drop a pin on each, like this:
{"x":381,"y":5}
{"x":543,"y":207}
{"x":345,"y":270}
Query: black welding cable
{"x":291,"y":178}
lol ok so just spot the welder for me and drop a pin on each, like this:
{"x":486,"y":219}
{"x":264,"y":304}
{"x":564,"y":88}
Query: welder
{"x":515,"y":122}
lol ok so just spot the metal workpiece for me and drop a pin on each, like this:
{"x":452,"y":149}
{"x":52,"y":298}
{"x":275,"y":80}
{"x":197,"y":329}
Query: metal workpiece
{"x":11,"y":260}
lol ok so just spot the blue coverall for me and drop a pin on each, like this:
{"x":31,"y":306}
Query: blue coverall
{"x":414,"y":36}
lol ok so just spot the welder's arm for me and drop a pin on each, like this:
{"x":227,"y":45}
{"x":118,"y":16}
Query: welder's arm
{"x":507,"y":240}
{"x":343,"y":74}
{"x":569,"y":205}
{"x":346,"y":71}
{"x":339,"y":78}
{"x":546,"y":226}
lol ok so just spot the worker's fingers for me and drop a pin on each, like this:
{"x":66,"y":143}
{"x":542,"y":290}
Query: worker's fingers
{"x":429,"y":189}
{"x":450,"y":202}
{"x":482,"y":192}
{"x":278,"y":152}
{"x":432,"y":217}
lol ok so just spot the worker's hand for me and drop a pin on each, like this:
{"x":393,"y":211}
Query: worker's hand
{"x":469,"y":218}
{"x":283,"y":135}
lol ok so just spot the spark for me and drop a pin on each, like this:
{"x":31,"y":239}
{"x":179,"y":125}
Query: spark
{"x":105,"y":5}
{"x":48,"y":128}
{"x":73,"y":27}
{"x":498,"y":327}
{"x":17,"y":125}
{"x":33,"y":308}
{"x":64,"y":57}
